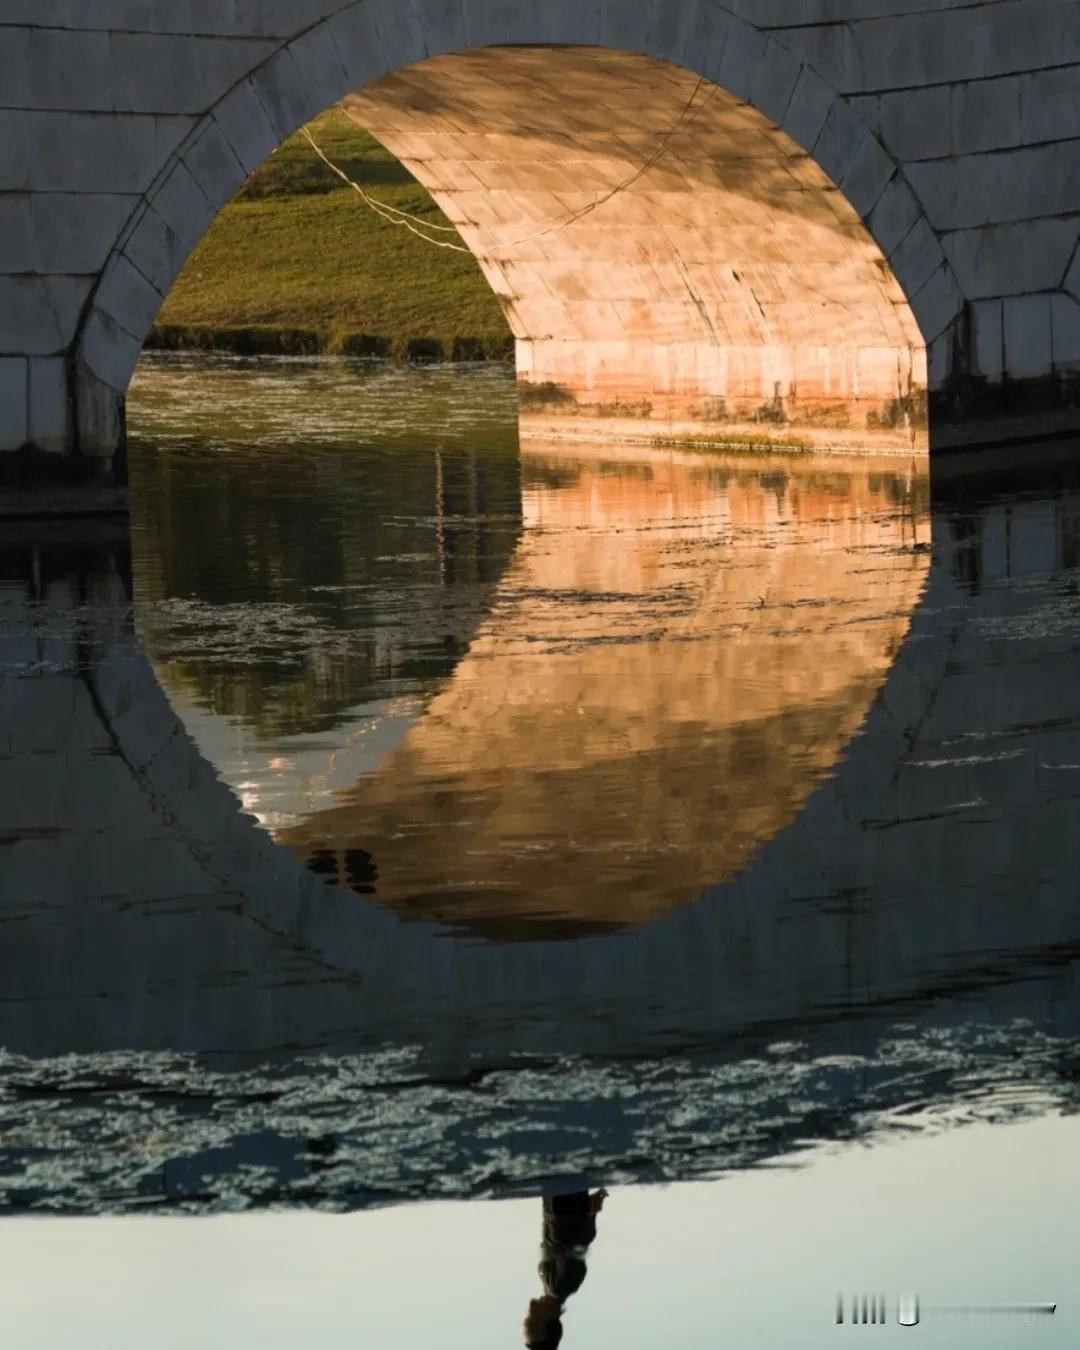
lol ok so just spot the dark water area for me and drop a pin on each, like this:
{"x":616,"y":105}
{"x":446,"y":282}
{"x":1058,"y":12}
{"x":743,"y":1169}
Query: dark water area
{"x":321,"y":577}
{"x":512,"y":692}
{"x":399,"y":819}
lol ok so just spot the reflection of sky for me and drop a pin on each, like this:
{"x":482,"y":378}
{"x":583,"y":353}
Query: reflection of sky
{"x":982,"y":1214}
{"x":292,"y":776}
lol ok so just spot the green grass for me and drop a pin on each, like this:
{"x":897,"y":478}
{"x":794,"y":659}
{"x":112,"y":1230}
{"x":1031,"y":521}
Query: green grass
{"x":297,"y":262}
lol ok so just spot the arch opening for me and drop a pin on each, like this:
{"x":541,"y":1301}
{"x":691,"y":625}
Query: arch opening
{"x":674,"y":263}
{"x":674,"y":268}
{"x":663,"y":252}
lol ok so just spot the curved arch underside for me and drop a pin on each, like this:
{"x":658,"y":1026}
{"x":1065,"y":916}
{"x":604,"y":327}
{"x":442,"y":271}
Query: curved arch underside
{"x":663,"y":252}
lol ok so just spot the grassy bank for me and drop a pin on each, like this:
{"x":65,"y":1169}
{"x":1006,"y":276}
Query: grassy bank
{"x":298,"y":264}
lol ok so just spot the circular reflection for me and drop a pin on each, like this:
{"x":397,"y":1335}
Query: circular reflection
{"x":678,"y":653}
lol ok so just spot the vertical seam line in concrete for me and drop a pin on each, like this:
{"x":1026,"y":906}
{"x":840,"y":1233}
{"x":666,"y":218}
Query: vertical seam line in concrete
{"x":420,"y":24}
{"x":1074,"y":256}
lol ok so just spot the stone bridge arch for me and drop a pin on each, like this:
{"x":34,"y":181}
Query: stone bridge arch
{"x":371,"y":39}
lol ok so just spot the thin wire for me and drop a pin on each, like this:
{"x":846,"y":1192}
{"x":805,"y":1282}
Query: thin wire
{"x":384,"y":206}
{"x":563,"y":222}
{"x":383,"y":209}
{"x":398,"y":217}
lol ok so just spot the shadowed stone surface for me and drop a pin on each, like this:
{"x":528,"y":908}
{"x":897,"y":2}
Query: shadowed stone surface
{"x":663,"y":252}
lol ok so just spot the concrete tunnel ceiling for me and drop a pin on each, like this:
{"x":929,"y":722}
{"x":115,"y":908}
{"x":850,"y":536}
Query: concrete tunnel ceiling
{"x":661,"y":249}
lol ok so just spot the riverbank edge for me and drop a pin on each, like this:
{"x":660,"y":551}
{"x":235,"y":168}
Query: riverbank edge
{"x":266,"y":341}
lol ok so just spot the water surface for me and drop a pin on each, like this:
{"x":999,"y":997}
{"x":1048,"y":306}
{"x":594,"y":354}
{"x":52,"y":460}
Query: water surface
{"x":523,"y":695}
{"x":963,"y":1217}
{"x":403,"y":824}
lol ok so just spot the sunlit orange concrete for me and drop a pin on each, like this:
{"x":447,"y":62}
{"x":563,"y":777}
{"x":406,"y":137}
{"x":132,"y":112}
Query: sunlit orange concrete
{"x":679,"y":653}
{"x":671,"y":262}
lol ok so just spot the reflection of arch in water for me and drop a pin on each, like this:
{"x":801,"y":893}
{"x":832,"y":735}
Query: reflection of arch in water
{"x":145,"y":911}
{"x":922,"y":882}
{"x":678,"y":654}
{"x":788,"y":287}
{"x":198,"y":431}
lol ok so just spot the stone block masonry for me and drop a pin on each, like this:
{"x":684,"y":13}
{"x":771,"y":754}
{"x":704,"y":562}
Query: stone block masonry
{"x":673,"y":265}
{"x":944,"y":138}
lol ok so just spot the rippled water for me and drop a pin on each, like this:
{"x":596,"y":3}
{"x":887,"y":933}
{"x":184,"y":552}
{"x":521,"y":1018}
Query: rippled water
{"x":338,"y":576}
{"x":522,"y":819}
{"x":523,"y":695}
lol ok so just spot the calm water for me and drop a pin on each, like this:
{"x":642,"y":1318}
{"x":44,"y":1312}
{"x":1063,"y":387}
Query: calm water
{"x":525,"y":696}
{"x":522,"y":820}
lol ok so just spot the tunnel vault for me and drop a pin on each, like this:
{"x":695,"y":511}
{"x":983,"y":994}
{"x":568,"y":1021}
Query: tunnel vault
{"x":750,"y":280}
{"x":664,"y":253}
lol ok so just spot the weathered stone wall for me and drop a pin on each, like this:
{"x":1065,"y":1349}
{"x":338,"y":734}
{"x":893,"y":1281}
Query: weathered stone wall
{"x":952,"y":129}
{"x":671,"y":262}
{"x":980,"y":105}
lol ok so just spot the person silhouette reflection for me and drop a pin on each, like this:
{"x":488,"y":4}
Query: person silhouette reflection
{"x":569,"y":1229}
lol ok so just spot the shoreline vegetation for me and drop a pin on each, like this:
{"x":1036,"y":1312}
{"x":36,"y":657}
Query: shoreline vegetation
{"x":297,"y":265}
{"x":266,"y":341}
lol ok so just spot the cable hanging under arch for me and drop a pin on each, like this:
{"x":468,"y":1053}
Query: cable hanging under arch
{"x":417,"y":225}
{"x":383,"y":209}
